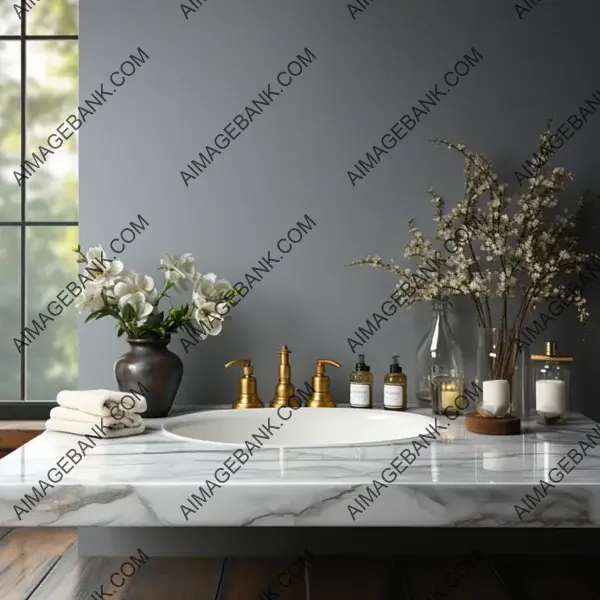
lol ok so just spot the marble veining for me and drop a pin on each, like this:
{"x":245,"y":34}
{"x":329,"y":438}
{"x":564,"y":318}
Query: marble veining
{"x":461,"y":480}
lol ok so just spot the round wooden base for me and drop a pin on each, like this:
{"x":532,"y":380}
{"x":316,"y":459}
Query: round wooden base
{"x":508,"y":425}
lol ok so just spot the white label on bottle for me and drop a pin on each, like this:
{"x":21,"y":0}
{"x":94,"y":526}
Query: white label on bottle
{"x":360,"y":394}
{"x":392,"y":395}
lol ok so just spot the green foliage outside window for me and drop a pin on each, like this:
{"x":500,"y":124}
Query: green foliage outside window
{"x":51,"y":195}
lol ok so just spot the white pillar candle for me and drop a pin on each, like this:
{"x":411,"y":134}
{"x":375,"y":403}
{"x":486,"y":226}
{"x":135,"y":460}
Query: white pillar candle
{"x":496,"y":398}
{"x":550,"y":398}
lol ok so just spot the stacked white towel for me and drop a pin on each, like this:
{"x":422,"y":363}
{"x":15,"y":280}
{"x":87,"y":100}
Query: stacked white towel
{"x":114,"y":414}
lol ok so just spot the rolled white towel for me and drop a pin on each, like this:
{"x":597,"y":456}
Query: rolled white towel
{"x":100,"y":402}
{"x":128,"y":419}
{"x":80,"y":428}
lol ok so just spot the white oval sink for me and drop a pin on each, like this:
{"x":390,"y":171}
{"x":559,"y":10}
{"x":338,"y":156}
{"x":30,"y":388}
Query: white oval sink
{"x":304,"y":427}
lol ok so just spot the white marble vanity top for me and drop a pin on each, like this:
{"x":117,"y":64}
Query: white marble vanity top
{"x":462,"y":480}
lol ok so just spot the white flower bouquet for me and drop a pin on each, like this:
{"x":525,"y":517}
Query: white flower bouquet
{"x":133,"y":300}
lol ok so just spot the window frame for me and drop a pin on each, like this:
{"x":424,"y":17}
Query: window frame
{"x":23,"y":409}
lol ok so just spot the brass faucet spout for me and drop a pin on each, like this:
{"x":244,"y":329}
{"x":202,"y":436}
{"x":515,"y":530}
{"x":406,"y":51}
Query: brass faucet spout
{"x":284,"y":390}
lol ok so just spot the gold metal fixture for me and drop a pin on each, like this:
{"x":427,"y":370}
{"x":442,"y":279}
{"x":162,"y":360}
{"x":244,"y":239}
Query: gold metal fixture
{"x":248,"y":397}
{"x":550,"y":352}
{"x":321,"y":398}
{"x":285,"y":390}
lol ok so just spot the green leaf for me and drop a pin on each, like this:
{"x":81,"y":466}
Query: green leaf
{"x":151,"y":323}
{"x":128,"y":313}
{"x":154,"y":321}
{"x":90,"y":317}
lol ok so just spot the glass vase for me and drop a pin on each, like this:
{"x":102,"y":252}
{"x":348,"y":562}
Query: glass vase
{"x":497,"y":374}
{"x":438,"y":354}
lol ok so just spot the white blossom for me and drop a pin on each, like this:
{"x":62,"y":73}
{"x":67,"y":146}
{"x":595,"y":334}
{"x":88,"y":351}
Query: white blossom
{"x":90,"y":299}
{"x":96,"y":260}
{"x":209,"y":288}
{"x":137,"y":300}
{"x":206,"y":314}
{"x":180,"y":270}
{"x":136,"y":283}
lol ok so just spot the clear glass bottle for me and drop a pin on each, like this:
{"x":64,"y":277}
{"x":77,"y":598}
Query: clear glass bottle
{"x":394,"y":387}
{"x":437,"y":353}
{"x":361,"y":385}
{"x":551,"y":380}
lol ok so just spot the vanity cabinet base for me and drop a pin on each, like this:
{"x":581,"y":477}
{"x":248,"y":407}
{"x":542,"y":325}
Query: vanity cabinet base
{"x":215,"y":542}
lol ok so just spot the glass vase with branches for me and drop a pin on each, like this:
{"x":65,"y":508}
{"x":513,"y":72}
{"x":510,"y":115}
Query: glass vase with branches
{"x":514,"y":249}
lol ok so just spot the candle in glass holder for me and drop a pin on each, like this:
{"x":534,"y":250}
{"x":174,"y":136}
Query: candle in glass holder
{"x":449,"y":393}
{"x":550,"y":397}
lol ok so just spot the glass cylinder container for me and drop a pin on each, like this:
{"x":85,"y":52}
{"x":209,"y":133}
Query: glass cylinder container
{"x":551,"y":381}
{"x":437,"y":353}
{"x":497,"y":354}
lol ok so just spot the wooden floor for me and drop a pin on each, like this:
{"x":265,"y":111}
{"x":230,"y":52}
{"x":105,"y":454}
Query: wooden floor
{"x":42,"y":564}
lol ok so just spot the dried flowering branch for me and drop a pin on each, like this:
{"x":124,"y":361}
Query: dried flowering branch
{"x":513,"y":252}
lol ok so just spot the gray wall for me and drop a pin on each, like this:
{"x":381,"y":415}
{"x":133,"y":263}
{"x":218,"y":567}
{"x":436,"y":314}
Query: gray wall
{"x":294,"y":158}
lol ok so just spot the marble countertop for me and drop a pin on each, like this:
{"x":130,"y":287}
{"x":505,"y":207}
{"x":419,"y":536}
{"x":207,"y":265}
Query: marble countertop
{"x":461,"y":480}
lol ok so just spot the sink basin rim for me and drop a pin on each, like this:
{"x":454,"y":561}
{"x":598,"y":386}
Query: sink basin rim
{"x":173,"y":422}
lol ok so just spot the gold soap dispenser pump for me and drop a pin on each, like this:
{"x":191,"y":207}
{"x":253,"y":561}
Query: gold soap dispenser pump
{"x":321,"y":396}
{"x":285,"y":390}
{"x":248,"y":397}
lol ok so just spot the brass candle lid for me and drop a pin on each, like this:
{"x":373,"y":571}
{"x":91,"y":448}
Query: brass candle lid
{"x":550,"y":353}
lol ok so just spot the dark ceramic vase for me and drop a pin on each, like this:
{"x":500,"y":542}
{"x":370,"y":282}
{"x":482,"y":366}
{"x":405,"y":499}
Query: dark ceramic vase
{"x":153,"y":371}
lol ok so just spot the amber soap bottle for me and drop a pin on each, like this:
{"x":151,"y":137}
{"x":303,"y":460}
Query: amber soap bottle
{"x":361,"y":385}
{"x":394,"y":387}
